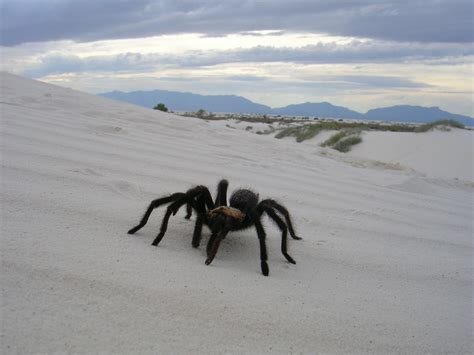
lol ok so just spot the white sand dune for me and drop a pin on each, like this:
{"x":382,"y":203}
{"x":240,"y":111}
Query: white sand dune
{"x":385,"y":264}
{"x":436,"y":154}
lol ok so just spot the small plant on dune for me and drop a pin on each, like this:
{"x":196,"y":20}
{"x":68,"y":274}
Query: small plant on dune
{"x":346,"y":144}
{"x":301,"y":133}
{"x":201,"y":113}
{"x":343,"y":140}
{"x":308,"y":131}
{"x":335,"y":138}
{"x":161,"y":107}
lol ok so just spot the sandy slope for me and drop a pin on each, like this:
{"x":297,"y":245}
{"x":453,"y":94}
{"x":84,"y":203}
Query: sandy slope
{"x":438,"y":154}
{"x":385,"y":264}
{"x":435,"y":154}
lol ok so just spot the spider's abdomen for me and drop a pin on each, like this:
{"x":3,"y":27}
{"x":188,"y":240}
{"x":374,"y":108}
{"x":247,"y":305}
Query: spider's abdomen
{"x":243,"y":199}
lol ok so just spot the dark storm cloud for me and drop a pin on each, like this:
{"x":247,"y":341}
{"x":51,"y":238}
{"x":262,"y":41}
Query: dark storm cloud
{"x":79,"y":20}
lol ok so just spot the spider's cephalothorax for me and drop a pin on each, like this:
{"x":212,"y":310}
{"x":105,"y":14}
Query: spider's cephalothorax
{"x":243,"y":212}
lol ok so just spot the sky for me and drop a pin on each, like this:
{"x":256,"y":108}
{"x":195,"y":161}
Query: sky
{"x":360,"y":54}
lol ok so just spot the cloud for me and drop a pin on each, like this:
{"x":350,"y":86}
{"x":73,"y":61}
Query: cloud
{"x":69,"y":64}
{"x":394,"y":20}
{"x":333,"y":53}
{"x":58,"y":63}
{"x":248,"y":78}
{"x":336,"y":82}
{"x":321,"y":53}
{"x":369,"y":81}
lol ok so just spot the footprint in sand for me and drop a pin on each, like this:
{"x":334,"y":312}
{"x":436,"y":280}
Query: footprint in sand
{"x":87,"y":171}
{"x":104,"y":129}
{"x":124,"y":188}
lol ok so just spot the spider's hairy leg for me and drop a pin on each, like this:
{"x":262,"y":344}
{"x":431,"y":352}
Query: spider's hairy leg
{"x":217,"y":227}
{"x":200,"y":206}
{"x":154,"y":204}
{"x":198,"y":230}
{"x":171,"y":210}
{"x":284,"y":231}
{"x":221,"y":197}
{"x":164,"y":226}
{"x":189,"y":211}
{"x":212,"y":251}
{"x":263,"y":247}
{"x":198,"y":197}
{"x":275,"y":205}
{"x":194,"y":193}
{"x":210,"y":243}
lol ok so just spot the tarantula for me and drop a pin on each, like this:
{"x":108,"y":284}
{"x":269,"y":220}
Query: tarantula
{"x":243,"y":212}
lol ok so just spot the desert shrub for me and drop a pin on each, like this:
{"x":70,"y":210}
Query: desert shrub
{"x":346,"y":144}
{"x":287,"y":132}
{"x":307,"y":131}
{"x":440,"y":123}
{"x":161,"y":107}
{"x":301,"y":133}
{"x":201,"y":113}
{"x":338,"y":136}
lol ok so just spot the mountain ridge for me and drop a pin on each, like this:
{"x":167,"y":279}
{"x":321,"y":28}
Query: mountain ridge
{"x":187,"y":101}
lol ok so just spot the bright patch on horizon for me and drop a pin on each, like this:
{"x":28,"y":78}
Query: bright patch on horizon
{"x":272,"y":67}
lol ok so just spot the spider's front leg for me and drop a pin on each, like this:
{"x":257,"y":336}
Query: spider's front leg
{"x":221,"y":224}
{"x":213,"y":245}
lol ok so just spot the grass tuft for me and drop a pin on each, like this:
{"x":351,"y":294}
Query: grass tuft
{"x":301,"y":133}
{"x":346,"y":144}
{"x":338,"y":136}
{"x":441,"y":123}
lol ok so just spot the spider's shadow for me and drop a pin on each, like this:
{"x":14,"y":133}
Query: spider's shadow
{"x":238,"y":248}
{"x":180,"y":233}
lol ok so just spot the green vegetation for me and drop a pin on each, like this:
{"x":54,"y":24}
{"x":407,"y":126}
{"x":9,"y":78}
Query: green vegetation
{"x":161,"y":107}
{"x":348,"y":132}
{"x":343,"y":140}
{"x":346,"y":144}
{"x":335,"y":138}
{"x":310,"y":130}
{"x":301,"y":133}
{"x":320,"y":123}
{"x":441,"y":123}
{"x":201,"y":113}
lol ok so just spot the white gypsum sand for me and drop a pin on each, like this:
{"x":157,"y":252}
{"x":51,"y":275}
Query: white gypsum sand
{"x":436,"y":154}
{"x":385,"y":264}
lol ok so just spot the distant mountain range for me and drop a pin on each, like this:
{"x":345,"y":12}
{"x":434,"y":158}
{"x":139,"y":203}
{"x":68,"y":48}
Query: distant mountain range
{"x":181,"y":101}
